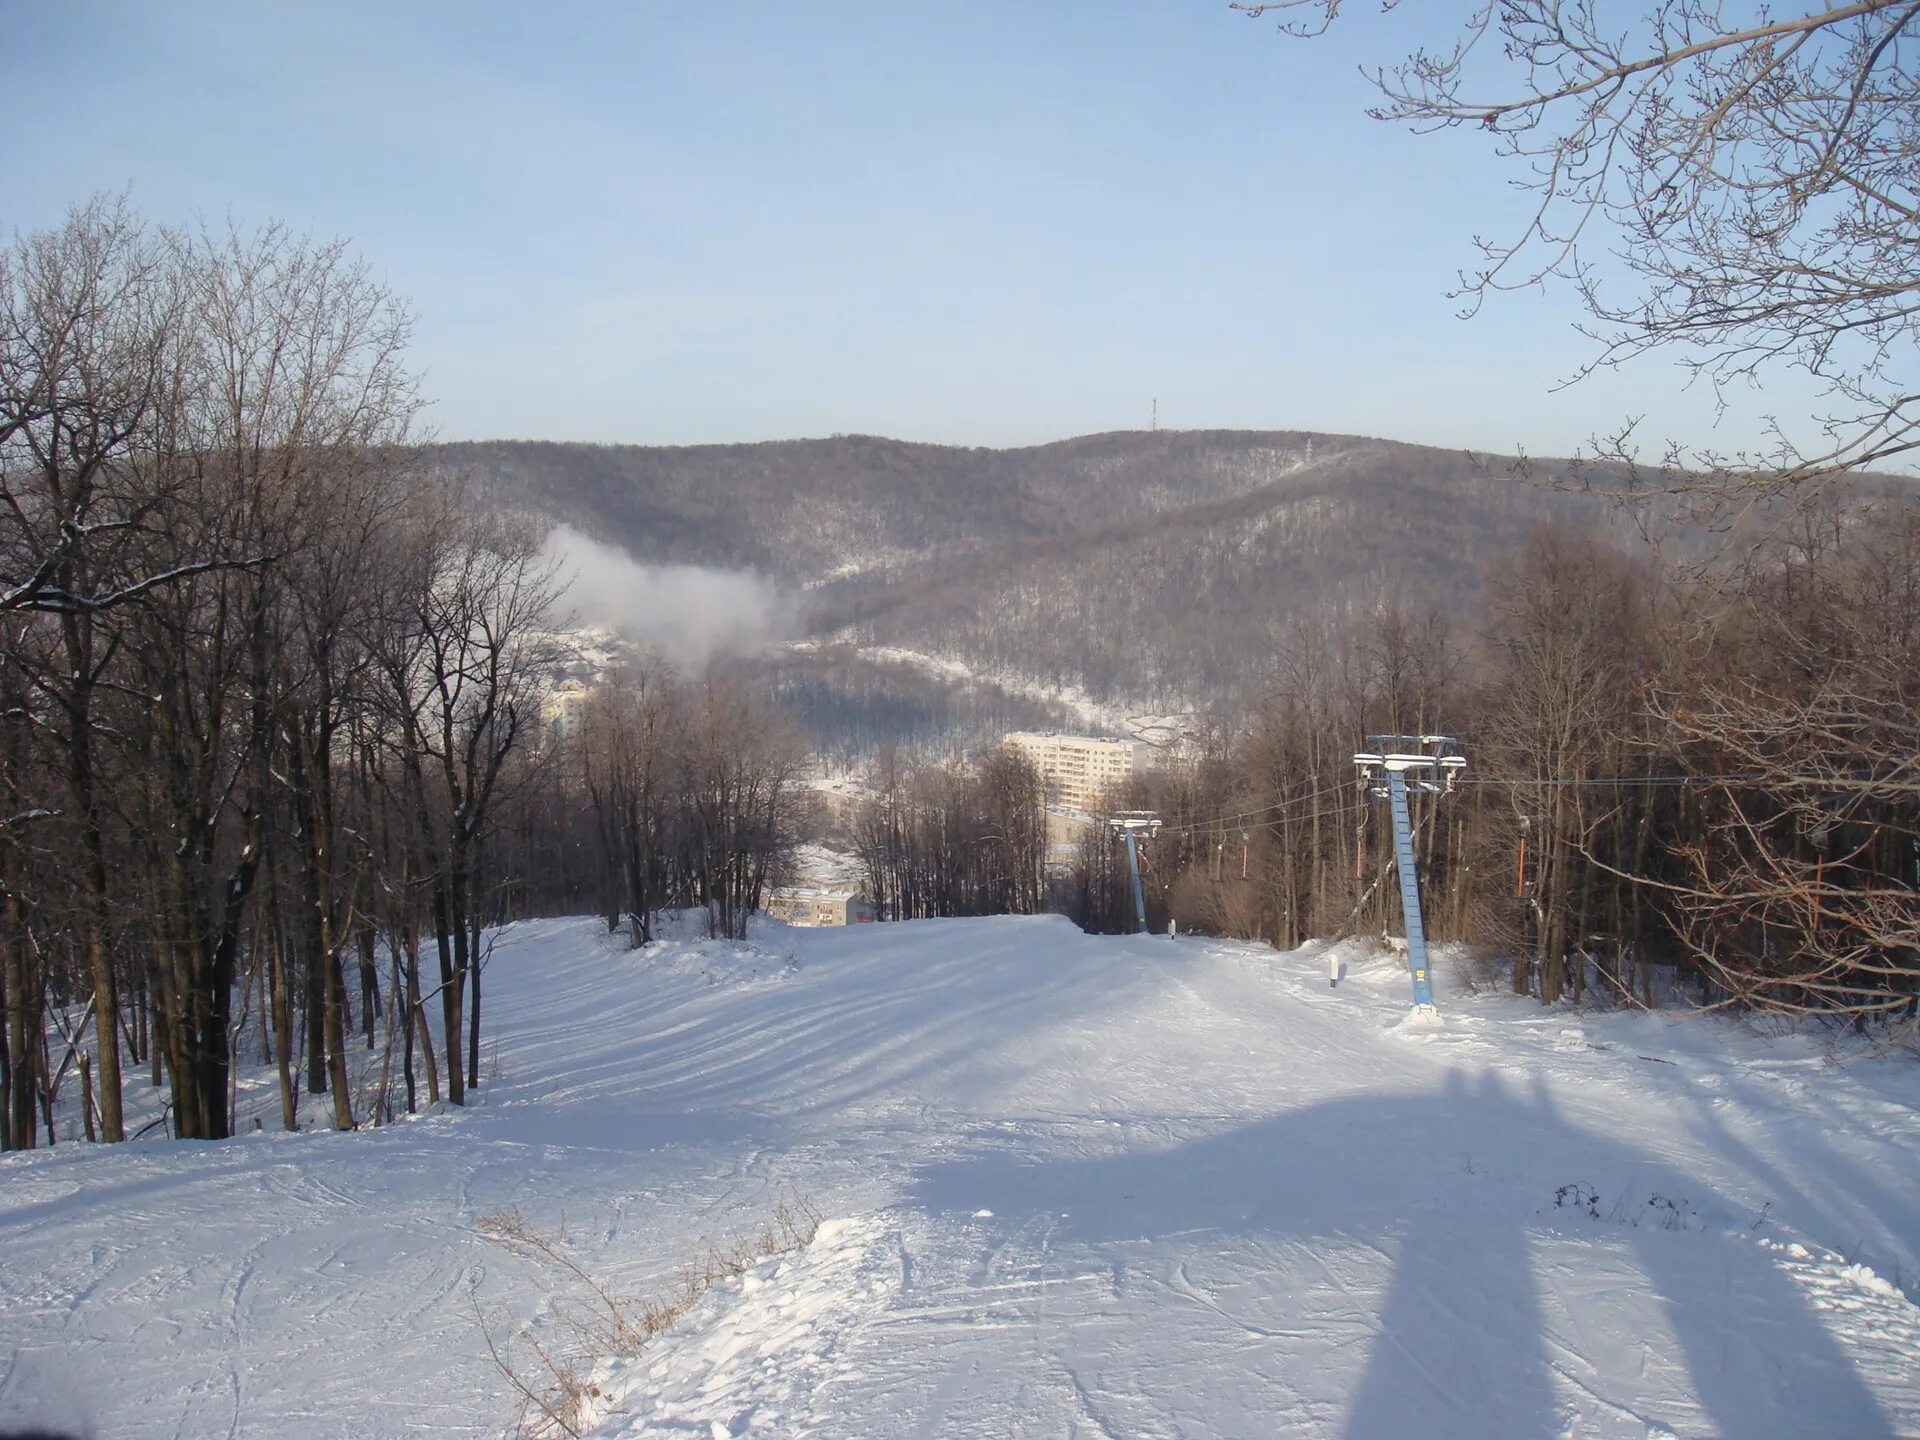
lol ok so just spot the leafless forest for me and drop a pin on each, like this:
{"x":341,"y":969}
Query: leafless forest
{"x":1148,"y":568}
{"x":271,"y":696}
{"x":1710,"y":771}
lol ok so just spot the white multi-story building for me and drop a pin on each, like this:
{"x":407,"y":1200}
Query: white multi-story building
{"x":804,"y":905}
{"x":564,"y":709}
{"x":1078,"y":769}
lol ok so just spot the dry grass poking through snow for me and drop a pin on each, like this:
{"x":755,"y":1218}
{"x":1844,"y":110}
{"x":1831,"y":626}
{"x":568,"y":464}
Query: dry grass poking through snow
{"x":588,"y":1325}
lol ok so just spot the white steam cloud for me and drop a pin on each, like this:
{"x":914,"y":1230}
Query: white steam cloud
{"x":690,"y":613}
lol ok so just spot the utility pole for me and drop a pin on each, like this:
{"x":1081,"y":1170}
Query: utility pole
{"x":1132,"y":823}
{"x":1428,"y":763}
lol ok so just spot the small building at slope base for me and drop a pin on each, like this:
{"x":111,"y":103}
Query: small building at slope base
{"x":804,"y":905}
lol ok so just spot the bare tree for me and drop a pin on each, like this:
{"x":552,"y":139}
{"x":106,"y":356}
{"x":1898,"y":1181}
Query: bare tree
{"x":91,"y":315}
{"x":1753,"y":171}
{"x":462,"y":664}
{"x":289,"y":378}
{"x":740,"y":766}
{"x":24,"y":790}
{"x":1568,"y":623}
{"x":87,"y":324}
{"x":1799,"y":882}
{"x":1013,"y":832}
{"x":962,"y":838}
{"x":263,"y":683}
{"x":629,"y":734}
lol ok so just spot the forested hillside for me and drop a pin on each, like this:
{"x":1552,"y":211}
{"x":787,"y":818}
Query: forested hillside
{"x":1151,"y":568}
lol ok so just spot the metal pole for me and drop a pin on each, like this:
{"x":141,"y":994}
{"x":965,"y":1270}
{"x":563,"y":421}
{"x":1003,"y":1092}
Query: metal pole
{"x":1139,"y":895}
{"x":1409,"y":891}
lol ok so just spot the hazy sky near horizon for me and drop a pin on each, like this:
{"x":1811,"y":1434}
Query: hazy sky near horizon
{"x":982,"y":222}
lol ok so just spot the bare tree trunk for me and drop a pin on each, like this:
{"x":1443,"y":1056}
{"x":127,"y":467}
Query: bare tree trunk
{"x":473,"y":1007}
{"x":336,"y":1039}
{"x":159,"y":988}
{"x":313,"y":1011}
{"x":281,"y":1001}
{"x":313,"y":804}
{"x":419,"y":1033}
{"x":106,"y":990}
{"x":23,"y":1026}
{"x":369,"y":978}
{"x":450,"y":938}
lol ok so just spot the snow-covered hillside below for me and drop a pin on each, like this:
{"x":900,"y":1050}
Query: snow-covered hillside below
{"x":1072,"y":1186}
{"x":1130,"y":721}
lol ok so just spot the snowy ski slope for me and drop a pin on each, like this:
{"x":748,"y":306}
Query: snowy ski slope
{"x":1075,"y":1187}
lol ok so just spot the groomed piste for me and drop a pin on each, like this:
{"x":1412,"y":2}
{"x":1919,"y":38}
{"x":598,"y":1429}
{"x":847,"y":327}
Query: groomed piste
{"x":1068,"y":1186}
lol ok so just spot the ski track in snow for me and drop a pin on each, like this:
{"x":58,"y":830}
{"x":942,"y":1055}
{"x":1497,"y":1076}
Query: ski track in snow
{"x":1105,"y":1188}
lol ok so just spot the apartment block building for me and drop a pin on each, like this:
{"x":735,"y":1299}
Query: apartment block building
{"x":803,"y":905}
{"x":1078,"y":769}
{"x":563,"y":710}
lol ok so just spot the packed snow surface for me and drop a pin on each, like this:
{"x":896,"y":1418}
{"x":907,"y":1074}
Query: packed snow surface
{"x":1071,"y":1187}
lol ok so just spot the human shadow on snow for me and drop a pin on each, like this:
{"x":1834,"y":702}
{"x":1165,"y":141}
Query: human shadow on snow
{"x":1460,"y":1345}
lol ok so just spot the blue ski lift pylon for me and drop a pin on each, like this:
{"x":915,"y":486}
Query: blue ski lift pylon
{"x":1395,"y":765}
{"x":1132,"y":823}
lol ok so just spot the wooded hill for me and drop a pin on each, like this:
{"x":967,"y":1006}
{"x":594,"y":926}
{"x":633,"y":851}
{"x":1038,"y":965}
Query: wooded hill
{"x":1143,"y":567}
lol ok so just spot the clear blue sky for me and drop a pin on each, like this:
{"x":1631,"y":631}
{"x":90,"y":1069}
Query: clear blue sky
{"x":984,"y":221}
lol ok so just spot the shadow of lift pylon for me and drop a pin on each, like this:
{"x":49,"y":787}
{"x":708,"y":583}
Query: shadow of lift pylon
{"x":1427,"y":763}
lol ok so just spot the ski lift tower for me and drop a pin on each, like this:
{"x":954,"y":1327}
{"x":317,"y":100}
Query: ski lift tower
{"x":1132,"y":823}
{"x":1429,"y":763}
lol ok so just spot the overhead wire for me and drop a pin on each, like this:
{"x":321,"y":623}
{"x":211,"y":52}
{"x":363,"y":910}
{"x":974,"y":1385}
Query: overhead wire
{"x":1221,"y":822}
{"x":1758,"y":777}
{"x":1296,"y":802}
